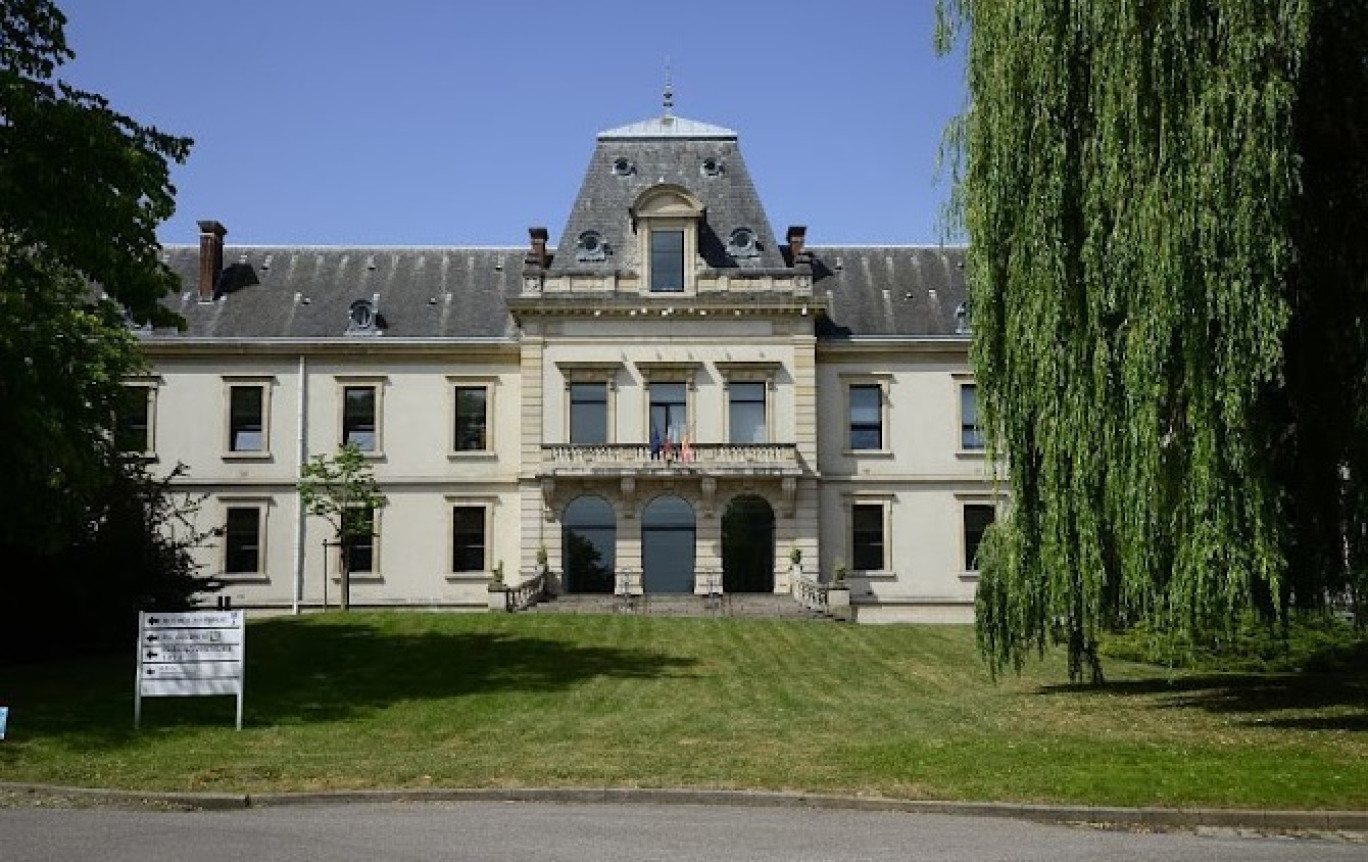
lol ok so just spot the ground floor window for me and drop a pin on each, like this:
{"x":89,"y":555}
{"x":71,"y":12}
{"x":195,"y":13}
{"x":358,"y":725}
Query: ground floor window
{"x":359,"y":552}
{"x":977,"y":518}
{"x":469,"y":548}
{"x":242,"y":541}
{"x":867,"y":545}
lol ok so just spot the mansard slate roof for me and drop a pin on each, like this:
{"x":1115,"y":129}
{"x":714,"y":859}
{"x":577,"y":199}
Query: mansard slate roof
{"x":306,"y":291}
{"x":667,"y":150}
{"x":461,"y":292}
{"x":455,"y":292}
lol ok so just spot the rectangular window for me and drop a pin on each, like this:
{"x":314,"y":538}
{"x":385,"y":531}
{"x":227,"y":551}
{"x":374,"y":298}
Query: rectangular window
{"x":133,"y":420}
{"x":242,"y":541}
{"x":472,"y":419}
{"x":667,"y":261}
{"x":866,"y":416}
{"x":247,"y":418}
{"x":669,"y":414}
{"x":359,"y":524}
{"x":359,"y":419}
{"x":970,"y":437}
{"x":746,"y":412}
{"x":867,"y":537}
{"x":468,"y":545}
{"x":977,"y":518}
{"x":588,"y":413}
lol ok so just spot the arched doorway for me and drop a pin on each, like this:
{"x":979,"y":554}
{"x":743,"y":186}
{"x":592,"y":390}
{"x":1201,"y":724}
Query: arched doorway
{"x":588,"y":542}
{"x":748,"y":546}
{"x":667,"y":546}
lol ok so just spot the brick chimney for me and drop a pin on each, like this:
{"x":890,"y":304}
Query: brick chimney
{"x":537,"y":256}
{"x":797,"y":239}
{"x":210,"y":258}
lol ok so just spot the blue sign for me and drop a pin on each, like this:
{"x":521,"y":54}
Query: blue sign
{"x":4,"y":719}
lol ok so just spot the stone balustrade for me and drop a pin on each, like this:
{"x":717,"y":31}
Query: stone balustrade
{"x":713,"y":458}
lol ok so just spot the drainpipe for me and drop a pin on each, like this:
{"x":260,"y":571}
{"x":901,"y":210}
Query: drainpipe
{"x":302,"y":447}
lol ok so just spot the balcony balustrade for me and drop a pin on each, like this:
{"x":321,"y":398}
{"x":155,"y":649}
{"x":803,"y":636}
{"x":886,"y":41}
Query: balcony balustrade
{"x":714,"y":459}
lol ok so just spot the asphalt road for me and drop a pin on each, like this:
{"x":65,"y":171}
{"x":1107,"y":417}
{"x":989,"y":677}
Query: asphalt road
{"x":527,"y":832}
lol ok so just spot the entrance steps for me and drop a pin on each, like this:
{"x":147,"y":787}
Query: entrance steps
{"x":745,"y":605}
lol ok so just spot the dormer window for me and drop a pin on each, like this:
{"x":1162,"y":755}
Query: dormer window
{"x":742,"y":243}
{"x":667,"y":261}
{"x":666,"y":220}
{"x":363,"y":317}
{"x":963,"y":326}
{"x":711,"y":167}
{"x":623,"y":167}
{"x":590,"y":247}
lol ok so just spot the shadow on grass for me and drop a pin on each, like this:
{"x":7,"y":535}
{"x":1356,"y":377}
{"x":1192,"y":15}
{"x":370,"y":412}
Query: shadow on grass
{"x":1334,"y":697}
{"x":324,"y":673}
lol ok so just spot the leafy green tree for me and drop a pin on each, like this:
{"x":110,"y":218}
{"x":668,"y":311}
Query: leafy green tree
{"x":1162,"y":229}
{"x":341,"y":489}
{"x":82,"y":188}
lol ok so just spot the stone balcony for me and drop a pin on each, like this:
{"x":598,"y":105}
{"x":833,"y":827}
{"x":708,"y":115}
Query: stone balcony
{"x":563,"y":460}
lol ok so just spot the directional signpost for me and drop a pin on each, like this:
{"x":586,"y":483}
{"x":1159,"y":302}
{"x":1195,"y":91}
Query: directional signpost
{"x":189,"y":654}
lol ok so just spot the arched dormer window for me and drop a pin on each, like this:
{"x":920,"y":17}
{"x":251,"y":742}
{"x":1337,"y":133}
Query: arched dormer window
{"x":666,"y":219}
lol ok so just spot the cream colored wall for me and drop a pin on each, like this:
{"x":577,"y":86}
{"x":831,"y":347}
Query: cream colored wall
{"x":417,"y":470}
{"x":922,"y":475}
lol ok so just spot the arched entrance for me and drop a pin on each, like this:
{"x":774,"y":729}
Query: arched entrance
{"x":667,"y":546}
{"x":748,"y":546}
{"x":588,"y":540}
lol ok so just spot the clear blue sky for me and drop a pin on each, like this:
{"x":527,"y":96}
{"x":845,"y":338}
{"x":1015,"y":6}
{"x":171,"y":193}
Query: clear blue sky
{"x":464,"y":123}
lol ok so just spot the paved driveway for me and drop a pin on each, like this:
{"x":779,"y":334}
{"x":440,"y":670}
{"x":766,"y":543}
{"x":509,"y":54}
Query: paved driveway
{"x":527,"y":832}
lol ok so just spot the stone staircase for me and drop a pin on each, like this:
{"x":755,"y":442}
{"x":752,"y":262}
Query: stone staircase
{"x":743,"y":605}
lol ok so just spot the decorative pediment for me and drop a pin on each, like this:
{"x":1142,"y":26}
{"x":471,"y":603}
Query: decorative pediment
{"x":666,"y":201}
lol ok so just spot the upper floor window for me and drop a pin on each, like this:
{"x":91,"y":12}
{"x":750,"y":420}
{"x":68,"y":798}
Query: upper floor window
{"x":588,"y":413}
{"x":361,"y":412}
{"x":135,"y":419}
{"x":971,"y":437}
{"x":667,"y":261}
{"x":746,"y":412}
{"x":248,"y":413}
{"x":471,"y":433}
{"x":669,"y":414}
{"x":866,"y":416}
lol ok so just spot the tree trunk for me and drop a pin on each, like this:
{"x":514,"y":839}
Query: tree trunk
{"x":346,"y":575}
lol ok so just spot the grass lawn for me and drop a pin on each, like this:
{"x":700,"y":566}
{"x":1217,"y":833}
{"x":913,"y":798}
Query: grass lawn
{"x":368,"y":700}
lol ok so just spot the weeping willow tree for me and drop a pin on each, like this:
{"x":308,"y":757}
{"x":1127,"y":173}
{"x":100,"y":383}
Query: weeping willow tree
{"x":1132,"y":178}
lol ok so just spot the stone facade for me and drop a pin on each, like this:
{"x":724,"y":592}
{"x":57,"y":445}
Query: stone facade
{"x":670,"y":401}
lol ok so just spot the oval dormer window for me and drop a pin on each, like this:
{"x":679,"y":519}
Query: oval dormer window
{"x":623,"y":167}
{"x":962,"y":323}
{"x":741,"y":243}
{"x":361,"y":315}
{"x":711,"y":167}
{"x":591,"y":247}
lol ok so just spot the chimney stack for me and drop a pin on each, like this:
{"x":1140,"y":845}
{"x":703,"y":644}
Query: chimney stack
{"x":537,"y":256}
{"x":210,"y":258}
{"x":797,"y":239}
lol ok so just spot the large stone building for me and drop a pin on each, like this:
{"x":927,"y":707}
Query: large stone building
{"x":672,"y":398}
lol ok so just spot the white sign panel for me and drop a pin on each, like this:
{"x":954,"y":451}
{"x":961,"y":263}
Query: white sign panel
{"x":190,"y":654}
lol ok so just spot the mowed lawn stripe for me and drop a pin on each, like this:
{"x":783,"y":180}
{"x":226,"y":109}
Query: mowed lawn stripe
{"x":416,"y":699}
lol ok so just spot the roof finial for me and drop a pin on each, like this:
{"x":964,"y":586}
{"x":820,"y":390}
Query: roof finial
{"x":669,"y":90}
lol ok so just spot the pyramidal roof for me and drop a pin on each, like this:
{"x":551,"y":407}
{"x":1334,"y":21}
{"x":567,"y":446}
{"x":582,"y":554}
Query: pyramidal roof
{"x":668,"y":126}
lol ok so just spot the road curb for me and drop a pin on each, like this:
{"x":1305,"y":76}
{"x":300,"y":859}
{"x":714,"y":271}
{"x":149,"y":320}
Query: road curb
{"x":1152,"y":817}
